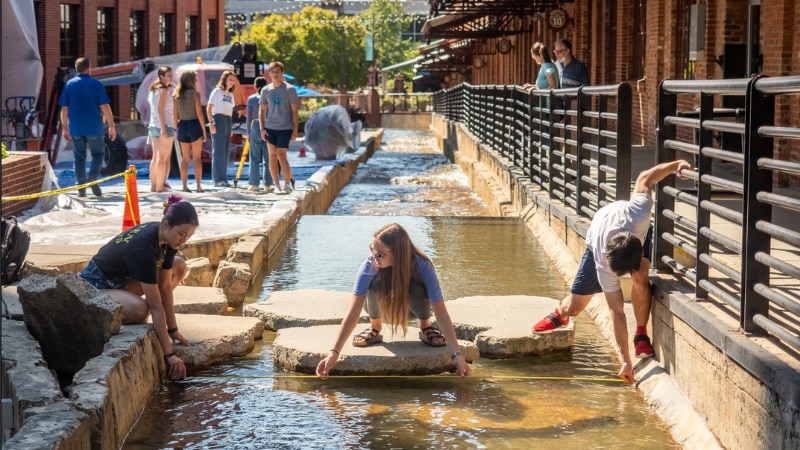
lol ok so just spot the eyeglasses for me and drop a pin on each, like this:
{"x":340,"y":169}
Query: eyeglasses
{"x":559,"y":50}
{"x":275,"y":72}
{"x":377,"y":254}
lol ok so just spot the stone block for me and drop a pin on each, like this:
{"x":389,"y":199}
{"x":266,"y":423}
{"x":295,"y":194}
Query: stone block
{"x":215,"y":338}
{"x":70,"y":318}
{"x":234,"y":280}
{"x":200,"y":273}
{"x":199,"y":300}
{"x":301,"y":308}
{"x":55,"y":426}
{"x":249,"y":250}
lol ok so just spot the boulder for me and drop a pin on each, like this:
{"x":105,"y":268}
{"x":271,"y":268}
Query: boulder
{"x":234,"y":280}
{"x":215,"y":338}
{"x":69,"y":317}
{"x":200,"y":273}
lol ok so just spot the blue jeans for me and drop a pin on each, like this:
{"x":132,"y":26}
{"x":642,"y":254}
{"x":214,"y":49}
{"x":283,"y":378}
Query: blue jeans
{"x":259,"y":160}
{"x":96,"y":148}
{"x":221,"y":148}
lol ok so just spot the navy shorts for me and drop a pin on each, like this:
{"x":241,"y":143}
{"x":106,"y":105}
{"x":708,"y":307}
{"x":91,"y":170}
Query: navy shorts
{"x":189,"y":130}
{"x":586,"y":282}
{"x":98,"y":279}
{"x":279,"y":138}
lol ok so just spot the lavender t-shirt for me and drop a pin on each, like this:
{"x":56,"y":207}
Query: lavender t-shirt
{"x":422,"y":267}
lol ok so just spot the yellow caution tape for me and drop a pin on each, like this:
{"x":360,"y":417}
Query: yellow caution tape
{"x":63,"y":190}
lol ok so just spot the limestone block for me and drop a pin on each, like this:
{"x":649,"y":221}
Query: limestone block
{"x":215,"y":338}
{"x":70,"y":318}
{"x":58,"y":425}
{"x":11,"y":302}
{"x":509,"y":334}
{"x":234,"y":280}
{"x":199,"y":300}
{"x":26,"y":378}
{"x":301,"y":308}
{"x":200,"y":273}
{"x":249,"y":250}
{"x":301,"y":349}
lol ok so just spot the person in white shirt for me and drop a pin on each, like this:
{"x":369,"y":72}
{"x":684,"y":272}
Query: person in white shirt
{"x":161,"y":128}
{"x":219,"y":112}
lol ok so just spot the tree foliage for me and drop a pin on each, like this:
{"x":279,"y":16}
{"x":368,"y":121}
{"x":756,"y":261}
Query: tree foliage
{"x":318,"y":46}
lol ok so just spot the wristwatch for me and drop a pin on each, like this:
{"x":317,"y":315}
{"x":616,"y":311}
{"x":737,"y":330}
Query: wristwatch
{"x":455,"y":354}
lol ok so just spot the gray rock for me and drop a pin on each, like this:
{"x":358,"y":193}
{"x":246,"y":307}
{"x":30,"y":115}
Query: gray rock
{"x":301,"y":308}
{"x":234,"y":279}
{"x":56,"y":426}
{"x":13,"y":310}
{"x":301,"y":349}
{"x":215,"y":338}
{"x":201,"y":273}
{"x":71,"y":319}
{"x":199,"y":300}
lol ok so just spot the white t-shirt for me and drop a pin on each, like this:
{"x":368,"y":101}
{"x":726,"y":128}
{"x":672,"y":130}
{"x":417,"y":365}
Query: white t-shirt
{"x":222,"y":101}
{"x":153,"y":99}
{"x":631,"y":216}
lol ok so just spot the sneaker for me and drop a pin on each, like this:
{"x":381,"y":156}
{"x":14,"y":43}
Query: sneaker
{"x":287,"y":189}
{"x":96,"y":188}
{"x":279,"y":191}
{"x":642,"y":346}
{"x":550,"y":323}
{"x":253,"y":188}
{"x":268,"y":189}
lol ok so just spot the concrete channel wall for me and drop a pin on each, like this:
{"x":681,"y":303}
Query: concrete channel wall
{"x":108,"y":395}
{"x":695,"y":386}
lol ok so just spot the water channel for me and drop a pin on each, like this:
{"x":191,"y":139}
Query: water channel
{"x":534,"y":402}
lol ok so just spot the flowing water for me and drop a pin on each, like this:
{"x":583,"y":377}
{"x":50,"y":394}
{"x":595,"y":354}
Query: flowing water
{"x":567,"y":400}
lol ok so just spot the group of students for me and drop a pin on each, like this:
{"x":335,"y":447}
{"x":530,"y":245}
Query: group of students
{"x":564,"y":72}
{"x":395,"y":280}
{"x":176,"y":112}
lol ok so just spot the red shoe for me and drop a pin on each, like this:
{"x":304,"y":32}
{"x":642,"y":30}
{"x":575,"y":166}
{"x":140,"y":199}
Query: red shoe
{"x":550,"y":323}
{"x":642,"y":346}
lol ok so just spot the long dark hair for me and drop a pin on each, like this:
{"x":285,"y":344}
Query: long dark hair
{"x":158,"y":84}
{"x":187,"y":82}
{"x":178,"y":213}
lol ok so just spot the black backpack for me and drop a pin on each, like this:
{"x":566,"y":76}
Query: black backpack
{"x":16,"y":243}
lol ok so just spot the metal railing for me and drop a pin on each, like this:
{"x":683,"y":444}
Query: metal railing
{"x":574,"y":143}
{"x":732,"y":219}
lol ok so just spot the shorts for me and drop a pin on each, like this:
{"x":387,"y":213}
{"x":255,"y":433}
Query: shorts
{"x":419,"y":306}
{"x":586,"y":282}
{"x":155,"y":132}
{"x":189,"y":130}
{"x":98,"y":279}
{"x":279,"y":138}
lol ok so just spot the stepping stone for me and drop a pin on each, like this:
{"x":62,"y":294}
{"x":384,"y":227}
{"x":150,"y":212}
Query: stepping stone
{"x":301,"y":349}
{"x":506,"y":332}
{"x":214,"y":338}
{"x":301,"y":308}
{"x":199,"y":300}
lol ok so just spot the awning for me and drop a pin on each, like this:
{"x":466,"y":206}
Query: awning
{"x":482,"y":19}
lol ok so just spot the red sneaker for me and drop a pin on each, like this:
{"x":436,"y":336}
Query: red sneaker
{"x":642,"y":346}
{"x":550,"y":323}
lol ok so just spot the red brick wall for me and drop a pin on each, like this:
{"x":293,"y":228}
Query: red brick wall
{"x":22,"y":174}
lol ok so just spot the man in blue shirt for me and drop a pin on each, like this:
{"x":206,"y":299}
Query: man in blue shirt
{"x":84,"y":105}
{"x":572,"y":72}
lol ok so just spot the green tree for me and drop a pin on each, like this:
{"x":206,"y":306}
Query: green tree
{"x":386,"y":20}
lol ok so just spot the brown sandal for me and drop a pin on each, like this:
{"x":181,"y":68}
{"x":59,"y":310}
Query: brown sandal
{"x":367,"y":337}
{"x":428,"y":334}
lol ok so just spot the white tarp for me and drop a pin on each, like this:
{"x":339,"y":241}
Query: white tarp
{"x":22,"y":64}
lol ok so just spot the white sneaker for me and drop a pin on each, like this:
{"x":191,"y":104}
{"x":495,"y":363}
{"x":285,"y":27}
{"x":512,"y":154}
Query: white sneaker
{"x":287,"y":189}
{"x":267,"y":189}
{"x":253,"y":188}
{"x":279,"y":191}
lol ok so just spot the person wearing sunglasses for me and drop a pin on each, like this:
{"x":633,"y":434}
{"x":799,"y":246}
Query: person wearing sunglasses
{"x":572,"y":73}
{"x":396,"y":279}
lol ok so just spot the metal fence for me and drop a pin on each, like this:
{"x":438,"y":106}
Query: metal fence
{"x":732,"y":220}
{"x":574,"y":143}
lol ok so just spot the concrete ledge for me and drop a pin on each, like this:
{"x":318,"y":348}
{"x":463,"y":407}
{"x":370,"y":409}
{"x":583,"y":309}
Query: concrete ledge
{"x":301,"y":308}
{"x":199,"y":300}
{"x":301,"y":349}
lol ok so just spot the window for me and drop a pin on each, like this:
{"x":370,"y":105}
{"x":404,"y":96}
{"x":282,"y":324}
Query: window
{"x":639,"y":47}
{"x":192,"y":25}
{"x":212,"y":32}
{"x":166,"y":34}
{"x":684,"y":67}
{"x":105,"y":37}
{"x":134,"y":113}
{"x":137,"y":35}
{"x":69,"y":35}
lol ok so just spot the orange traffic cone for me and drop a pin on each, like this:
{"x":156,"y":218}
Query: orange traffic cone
{"x":130,"y":217}
{"x":302,"y":152}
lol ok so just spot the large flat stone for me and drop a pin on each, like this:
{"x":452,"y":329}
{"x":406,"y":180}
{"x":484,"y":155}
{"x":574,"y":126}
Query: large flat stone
{"x":11,"y":302}
{"x":301,"y":308}
{"x":506,"y":332}
{"x":215,"y":338}
{"x":301,"y":349}
{"x":199,"y":300}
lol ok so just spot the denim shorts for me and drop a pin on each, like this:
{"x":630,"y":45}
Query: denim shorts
{"x":155,"y":132}
{"x":98,"y":279}
{"x":279,"y":138}
{"x":586,"y":282}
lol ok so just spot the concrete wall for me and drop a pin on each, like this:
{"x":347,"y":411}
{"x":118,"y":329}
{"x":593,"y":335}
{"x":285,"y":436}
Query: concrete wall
{"x":406,"y":121}
{"x":723,"y":380}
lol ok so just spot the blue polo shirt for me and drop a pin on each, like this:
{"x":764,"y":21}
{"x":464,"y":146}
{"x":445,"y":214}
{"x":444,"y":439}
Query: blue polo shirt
{"x":84,"y":95}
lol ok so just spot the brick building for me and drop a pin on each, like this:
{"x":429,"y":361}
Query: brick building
{"x":114,"y":31}
{"x":641,"y":42}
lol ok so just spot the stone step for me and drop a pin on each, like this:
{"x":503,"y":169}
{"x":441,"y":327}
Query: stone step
{"x":214,"y":338}
{"x":199,"y":300}
{"x":301,"y":308}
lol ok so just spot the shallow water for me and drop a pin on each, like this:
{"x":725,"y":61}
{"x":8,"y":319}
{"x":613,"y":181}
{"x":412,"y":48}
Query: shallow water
{"x":568,"y":400}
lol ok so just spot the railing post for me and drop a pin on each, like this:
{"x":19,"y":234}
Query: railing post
{"x":667,"y":106}
{"x":581,"y":153}
{"x":760,"y":111}
{"x":703,"y":165}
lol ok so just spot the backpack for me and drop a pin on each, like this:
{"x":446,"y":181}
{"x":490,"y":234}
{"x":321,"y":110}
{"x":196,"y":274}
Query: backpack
{"x":15,"y":245}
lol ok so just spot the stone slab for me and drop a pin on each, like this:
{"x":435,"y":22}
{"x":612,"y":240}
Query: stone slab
{"x":214,"y":338}
{"x":12,"y":307}
{"x":301,"y":349}
{"x":199,"y":300}
{"x":301,"y":308}
{"x":506,"y":332}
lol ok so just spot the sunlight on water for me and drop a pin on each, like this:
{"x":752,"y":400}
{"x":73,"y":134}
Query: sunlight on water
{"x":250,"y":402}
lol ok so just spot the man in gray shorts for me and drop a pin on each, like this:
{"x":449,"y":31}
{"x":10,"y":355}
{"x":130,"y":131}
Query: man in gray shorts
{"x":278,"y":118}
{"x":614,"y":248}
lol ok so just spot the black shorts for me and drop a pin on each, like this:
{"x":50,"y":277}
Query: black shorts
{"x":279,"y":138}
{"x":189,"y":130}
